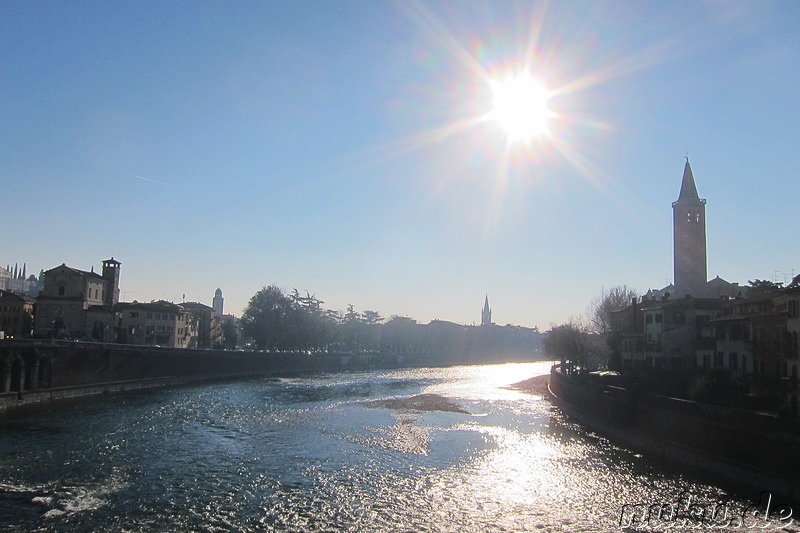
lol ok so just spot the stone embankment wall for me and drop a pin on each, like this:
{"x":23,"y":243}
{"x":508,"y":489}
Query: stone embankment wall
{"x":760,"y":451}
{"x":32,"y":371}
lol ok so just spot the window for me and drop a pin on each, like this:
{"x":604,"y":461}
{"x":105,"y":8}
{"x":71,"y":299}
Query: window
{"x":658,"y":318}
{"x":733,"y":361}
{"x":649,"y":319}
{"x":133,"y":314}
{"x":794,"y":309}
{"x":62,"y":290}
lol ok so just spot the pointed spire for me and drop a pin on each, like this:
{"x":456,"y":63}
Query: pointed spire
{"x":486,"y":303}
{"x":688,"y":188}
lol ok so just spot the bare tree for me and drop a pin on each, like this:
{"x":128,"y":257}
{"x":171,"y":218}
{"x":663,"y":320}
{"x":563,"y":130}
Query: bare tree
{"x":569,"y":343}
{"x":611,"y":300}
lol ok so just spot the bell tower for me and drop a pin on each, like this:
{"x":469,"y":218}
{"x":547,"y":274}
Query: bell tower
{"x":111,"y":274}
{"x":217,"y":303}
{"x":689,"y":238}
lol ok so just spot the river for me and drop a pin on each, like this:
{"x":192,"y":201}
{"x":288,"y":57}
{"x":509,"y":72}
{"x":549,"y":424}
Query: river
{"x":310,"y":454}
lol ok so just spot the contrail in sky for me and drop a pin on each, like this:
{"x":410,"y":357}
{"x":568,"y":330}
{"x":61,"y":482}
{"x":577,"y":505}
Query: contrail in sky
{"x":152,"y":181}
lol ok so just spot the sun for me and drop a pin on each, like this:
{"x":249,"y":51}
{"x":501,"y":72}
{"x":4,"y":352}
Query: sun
{"x":520,"y":107}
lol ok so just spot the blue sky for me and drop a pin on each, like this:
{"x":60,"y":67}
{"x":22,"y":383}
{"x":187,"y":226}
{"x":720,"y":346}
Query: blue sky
{"x":337,"y":147}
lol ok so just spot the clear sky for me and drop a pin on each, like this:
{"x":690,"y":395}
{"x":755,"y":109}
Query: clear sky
{"x":349,"y":148}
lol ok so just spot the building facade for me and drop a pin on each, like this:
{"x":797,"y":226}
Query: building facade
{"x":68,"y":294}
{"x":158,"y":323}
{"x":665,"y":333}
{"x":16,"y":315}
{"x":209,"y":332}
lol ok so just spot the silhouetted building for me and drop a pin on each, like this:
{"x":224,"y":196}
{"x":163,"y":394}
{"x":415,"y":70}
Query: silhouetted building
{"x":665,"y":333}
{"x":670,"y":327}
{"x":111,"y":275}
{"x":486,"y":313}
{"x":790,"y":300}
{"x":16,"y":314}
{"x":749,"y":337}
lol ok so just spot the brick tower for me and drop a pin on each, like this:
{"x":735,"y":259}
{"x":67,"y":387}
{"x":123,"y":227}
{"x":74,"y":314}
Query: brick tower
{"x":689,"y":238}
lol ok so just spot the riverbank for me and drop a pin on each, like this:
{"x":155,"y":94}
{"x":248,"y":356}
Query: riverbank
{"x":534,"y":385}
{"x":13,"y":400}
{"x":747,"y":450}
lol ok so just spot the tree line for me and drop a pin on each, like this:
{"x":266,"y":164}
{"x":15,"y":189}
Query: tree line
{"x":275,"y":320}
{"x":279,"y":321}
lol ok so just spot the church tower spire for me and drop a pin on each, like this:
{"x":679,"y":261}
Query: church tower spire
{"x":689,"y":238}
{"x":486,"y":314}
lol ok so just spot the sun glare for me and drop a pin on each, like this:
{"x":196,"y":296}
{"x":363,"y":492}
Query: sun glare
{"x":520,"y":107}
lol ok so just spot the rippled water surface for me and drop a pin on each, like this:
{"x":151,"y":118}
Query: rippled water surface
{"x":308,"y":454}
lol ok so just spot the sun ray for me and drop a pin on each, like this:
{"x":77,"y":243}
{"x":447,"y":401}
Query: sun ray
{"x":626,"y":65}
{"x":438,"y":32}
{"x":480,"y":148}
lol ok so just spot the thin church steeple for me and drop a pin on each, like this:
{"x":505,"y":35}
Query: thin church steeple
{"x":486,"y":314}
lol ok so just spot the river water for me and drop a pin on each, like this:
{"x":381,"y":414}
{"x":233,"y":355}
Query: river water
{"x":309,"y":454}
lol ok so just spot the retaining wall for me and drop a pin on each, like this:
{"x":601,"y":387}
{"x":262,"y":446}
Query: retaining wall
{"x":758,"y":450}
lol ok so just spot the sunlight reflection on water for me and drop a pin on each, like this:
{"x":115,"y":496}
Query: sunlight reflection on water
{"x":306,"y":454}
